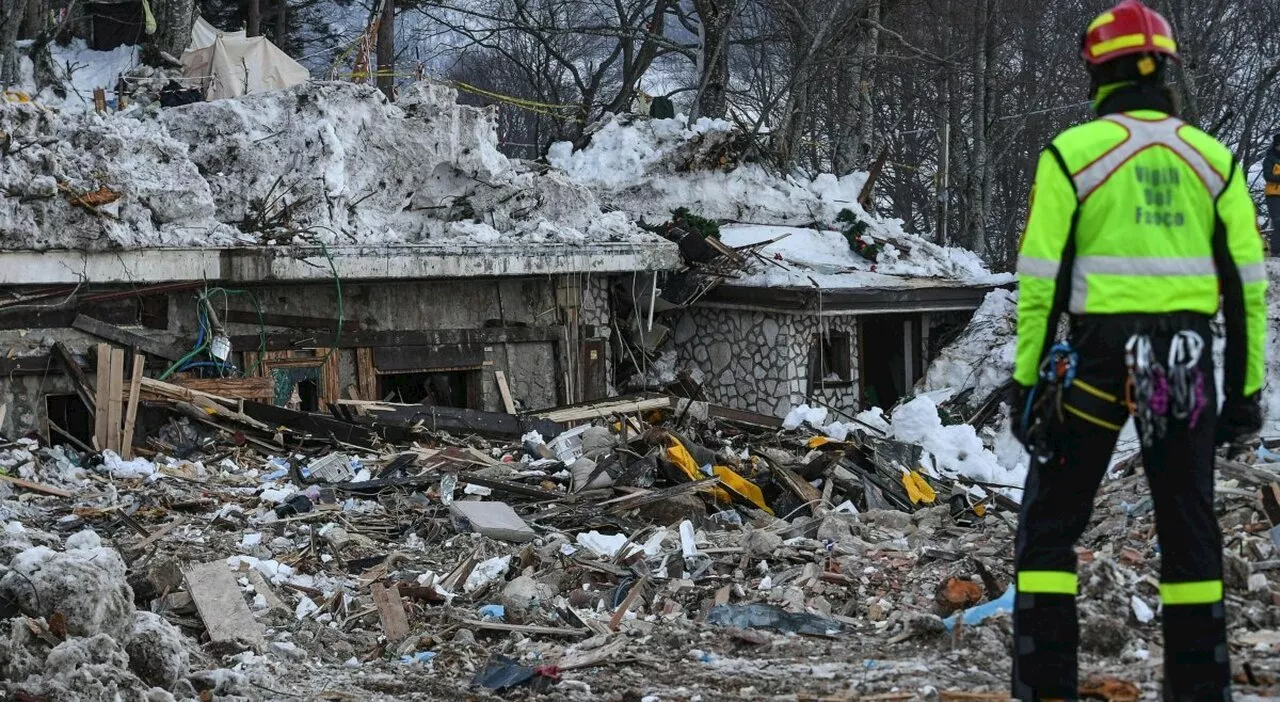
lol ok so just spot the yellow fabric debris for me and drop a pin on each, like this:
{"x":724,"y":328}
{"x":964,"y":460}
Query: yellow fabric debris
{"x":818,"y":441}
{"x":742,"y":486}
{"x":680,"y":456}
{"x":918,"y":489}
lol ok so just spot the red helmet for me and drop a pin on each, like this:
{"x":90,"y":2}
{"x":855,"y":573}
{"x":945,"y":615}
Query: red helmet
{"x":1127,"y":29}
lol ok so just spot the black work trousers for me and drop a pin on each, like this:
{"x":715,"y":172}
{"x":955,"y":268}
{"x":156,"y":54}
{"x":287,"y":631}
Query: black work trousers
{"x":1056,"y":507}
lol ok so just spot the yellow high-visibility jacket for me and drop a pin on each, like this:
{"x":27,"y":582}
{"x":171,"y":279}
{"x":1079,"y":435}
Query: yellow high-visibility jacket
{"x":1139,"y":212}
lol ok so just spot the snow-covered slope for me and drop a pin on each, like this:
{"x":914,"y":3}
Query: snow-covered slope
{"x":982,"y":356}
{"x":332,"y":162}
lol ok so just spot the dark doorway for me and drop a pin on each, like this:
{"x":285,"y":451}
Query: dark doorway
{"x":308,"y":394}
{"x":889,"y":360}
{"x":441,"y":389}
{"x":70,"y":414}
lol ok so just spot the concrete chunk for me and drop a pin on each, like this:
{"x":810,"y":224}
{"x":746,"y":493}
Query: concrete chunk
{"x":495,"y":520}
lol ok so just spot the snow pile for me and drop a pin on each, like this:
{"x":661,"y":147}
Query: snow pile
{"x":651,"y":167}
{"x":956,"y":450}
{"x":821,"y":257}
{"x":80,"y":70}
{"x":982,"y":357}
{"x":1271,"y":391}
{"x":110,"y":651}
{"x":330,"y":162}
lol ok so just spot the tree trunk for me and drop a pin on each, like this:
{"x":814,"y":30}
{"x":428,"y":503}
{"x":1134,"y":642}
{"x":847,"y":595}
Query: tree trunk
{"x":174,"y":19}
{"x":282,"y":21}
{"x":866,"y":116}
{"x":35,"y":20}
{"x":255,"y":19}
{"x":975,"y":210}
{"x":713,"y":58}
{"x":387,"y":50}
{"x":9,"y":56}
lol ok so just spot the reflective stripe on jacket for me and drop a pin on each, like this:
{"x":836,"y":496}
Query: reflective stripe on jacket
{"x":1142,"y":213}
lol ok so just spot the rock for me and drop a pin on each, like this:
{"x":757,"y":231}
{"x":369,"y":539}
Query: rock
{"x":597,"y":439}
{"x":287,"y":651}
{"x":721,"y":355}
{"x":156,"y":652}
{"x":1235,"y":572}
{"x":1103,"y":635}
{"x":878,"y":611}
{"x":839,"y":528}
{"x":957,"y":593}
{"x":759,"y":543}
{"x":674,"y":510}
{"x":524,"y":597}
{"x":887,"y":518}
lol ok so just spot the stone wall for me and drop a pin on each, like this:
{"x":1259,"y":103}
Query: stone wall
{"x":759,"y":362}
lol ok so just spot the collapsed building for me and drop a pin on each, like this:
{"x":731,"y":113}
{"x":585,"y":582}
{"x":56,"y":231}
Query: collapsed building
{"x":338,"y":247}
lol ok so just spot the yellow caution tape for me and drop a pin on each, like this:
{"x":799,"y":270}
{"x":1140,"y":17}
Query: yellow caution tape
{"x":918,"y":489}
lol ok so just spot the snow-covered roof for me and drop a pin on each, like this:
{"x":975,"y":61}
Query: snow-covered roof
{"x":652,"y":167}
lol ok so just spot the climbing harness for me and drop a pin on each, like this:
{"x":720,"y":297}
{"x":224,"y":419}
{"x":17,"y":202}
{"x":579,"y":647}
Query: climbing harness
{"x":1187,"y":397}
{"x":1146,"y":391}
{"x":1156,"y":393}
{"x":1043,"y":409}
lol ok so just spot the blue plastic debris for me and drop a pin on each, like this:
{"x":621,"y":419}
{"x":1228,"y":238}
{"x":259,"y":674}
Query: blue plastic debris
{"x":418,"y":657}
{"x":976,"y":615}
{"x":1266,"y":455}
{"x":493,"y":611}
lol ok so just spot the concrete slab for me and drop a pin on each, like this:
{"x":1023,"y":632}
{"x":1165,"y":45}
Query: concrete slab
{"x":495,"y":520}
{"x":309,"y":263}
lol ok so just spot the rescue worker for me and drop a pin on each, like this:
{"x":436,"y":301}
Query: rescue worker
{"x":1140,"y":229}
{"x":1271,"y":176}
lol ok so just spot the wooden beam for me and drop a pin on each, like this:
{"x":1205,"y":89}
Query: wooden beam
{"x":78,"y":378}
{"x":124,"y":337}
{"x":272,"y":319}
{"x":366,"y":375}
{"x":377,"y":339}
{"x":115,"y":401}
{"x":38,"y":487}
{"x":103,"y":394}
{"x":507,"y":403}
{"x":131,"y":413}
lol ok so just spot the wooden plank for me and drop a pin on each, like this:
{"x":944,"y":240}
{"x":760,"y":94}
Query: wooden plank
{"x":604,"y":410}
{"x":366,"y":374}
{"x":115,"y":399}
{"x":38,"y":487}
{"x":524,"y":629}
{"x":429,"y":358}
{"x":222,"y":608}
{"x":124,"y":337}
{"x":503,"y":389}
{"x":159,"y":533}
{"x":131,"y":412}
{"x":103,"y":394}
{"x":636,"y":591}
{"x":257,"y":388}
{"x":426,"y":337}
{"x":391,"y":613}
{"x":272,"y":319}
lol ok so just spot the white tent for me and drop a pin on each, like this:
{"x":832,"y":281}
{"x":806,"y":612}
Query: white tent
{"x":228,"y":64}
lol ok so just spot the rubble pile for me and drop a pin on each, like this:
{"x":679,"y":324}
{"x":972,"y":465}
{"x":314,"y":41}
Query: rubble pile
{"x":643,"y":548}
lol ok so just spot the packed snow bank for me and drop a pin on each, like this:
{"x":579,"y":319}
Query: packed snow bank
{"x":808,"y":257}
{"x":330,"y":162}
{"x":982,"y":357}
{"x":1271,"y":391}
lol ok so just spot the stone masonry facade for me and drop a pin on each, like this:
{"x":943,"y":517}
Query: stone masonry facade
{"x":759,"y":361}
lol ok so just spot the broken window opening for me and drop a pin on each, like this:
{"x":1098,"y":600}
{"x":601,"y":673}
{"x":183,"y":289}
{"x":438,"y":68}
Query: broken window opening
{"x":440,"y":389}
{"x":70,"y":414}
{"x":889,"y":357}
{"x":831,"y":361}
{"x":308,"y":392}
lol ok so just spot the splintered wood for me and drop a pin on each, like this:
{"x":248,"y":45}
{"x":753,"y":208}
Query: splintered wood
{"x":221,"y":605}
{"x":391,"y":613}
